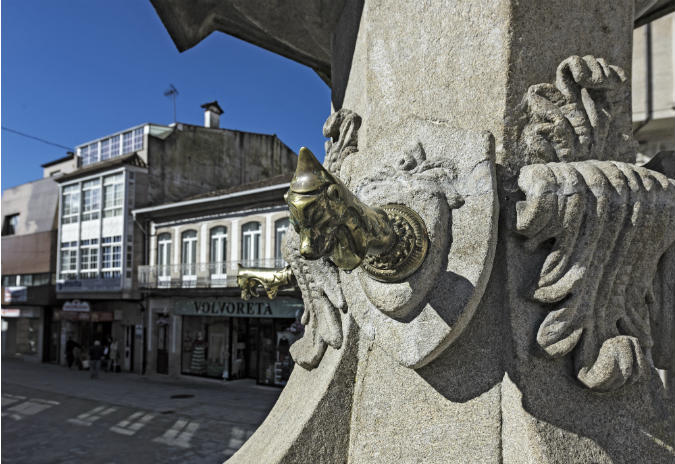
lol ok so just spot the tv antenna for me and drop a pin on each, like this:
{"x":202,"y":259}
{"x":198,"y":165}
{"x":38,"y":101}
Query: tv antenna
{"x":172,"y":92}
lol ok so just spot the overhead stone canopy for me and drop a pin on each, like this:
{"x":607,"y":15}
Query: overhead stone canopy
{"x":297,"y":29}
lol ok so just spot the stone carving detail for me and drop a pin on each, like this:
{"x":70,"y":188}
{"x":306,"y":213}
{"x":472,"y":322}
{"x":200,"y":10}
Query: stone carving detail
{"x":610,"y":223}
{"x":448,"y":177}
{"x":343,"y":129}
{"x":319,"y":281}
{"x":607,"y":223}
{"x":585,"y":115}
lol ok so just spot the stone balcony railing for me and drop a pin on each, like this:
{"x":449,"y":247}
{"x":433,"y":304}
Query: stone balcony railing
{"x":199,"y":275}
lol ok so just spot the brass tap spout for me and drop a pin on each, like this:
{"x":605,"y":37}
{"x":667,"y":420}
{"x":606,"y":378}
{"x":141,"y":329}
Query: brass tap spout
{"x":249,"y":278}
{"x":333,"y":222}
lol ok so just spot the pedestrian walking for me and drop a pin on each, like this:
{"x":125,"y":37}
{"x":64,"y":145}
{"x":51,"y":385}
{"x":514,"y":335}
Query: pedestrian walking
{"x":95,"y":356}
{"x":70,"y":351}
{"x":113,"y":355}
{"x":106,"y":355}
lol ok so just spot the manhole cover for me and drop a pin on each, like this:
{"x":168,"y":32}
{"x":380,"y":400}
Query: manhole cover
{"x":180,"y":396}
{"x":168,"y":412}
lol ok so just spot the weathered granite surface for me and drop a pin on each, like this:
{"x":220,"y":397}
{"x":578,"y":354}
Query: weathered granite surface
{"x":541,"y":324}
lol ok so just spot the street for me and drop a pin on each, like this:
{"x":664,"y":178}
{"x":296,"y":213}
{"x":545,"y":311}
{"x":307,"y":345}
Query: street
{"x":54,"y":415}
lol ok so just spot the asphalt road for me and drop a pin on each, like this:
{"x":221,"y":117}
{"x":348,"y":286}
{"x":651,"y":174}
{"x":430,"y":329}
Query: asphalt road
{"x":54,"y":415}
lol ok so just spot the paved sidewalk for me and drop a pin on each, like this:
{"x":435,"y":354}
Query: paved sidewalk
{"x":52,"y":414}
{"x":240,"y":401}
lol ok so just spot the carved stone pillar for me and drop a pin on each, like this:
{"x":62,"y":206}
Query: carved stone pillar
{"x":533,"y":329}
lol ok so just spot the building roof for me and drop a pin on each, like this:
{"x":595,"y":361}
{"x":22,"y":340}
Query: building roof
{"x":132,"y":159}
{"x":215,"y":104}
{"x":265,"y":190}
{"x":276,"y":180}
{"x":68,"y":157}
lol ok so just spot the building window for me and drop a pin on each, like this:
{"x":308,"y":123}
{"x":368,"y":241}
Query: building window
{"x":164,"y":255}
{"x":26,"y":280}
{"x":127,"y":142}
{"x":138,"y":139}
{"x":11,"y":224}
{"x":91,"y":199}
{"x":111,"y":257}
{"x":71,"y":204}
{"x":189,"y":253}
{"x":68,"y":260}
{"x":41,"y":279}
{"x":280,"y":229}
{"x":218,"y":254}
{"x":250,"y":244}
{"x":89,"y":259}
{"x":84,"y":155}
{"x":89,"y":154}
{"x":114,"y":146}
{"x":105,"y":149}
{"x":113,"y":195}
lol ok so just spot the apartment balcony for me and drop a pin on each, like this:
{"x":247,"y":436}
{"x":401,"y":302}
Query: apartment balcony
{"x":199,"y":275}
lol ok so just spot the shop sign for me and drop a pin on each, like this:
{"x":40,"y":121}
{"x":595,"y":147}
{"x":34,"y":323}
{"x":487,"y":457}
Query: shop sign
{"x":89,"y":285}
{"x":30,"y":312}
{"x":83,"y":316}
{"x":76,"y":305}
{"x":16,"y":294}
{"x":11,"y":313}
{"x":236,"y":307}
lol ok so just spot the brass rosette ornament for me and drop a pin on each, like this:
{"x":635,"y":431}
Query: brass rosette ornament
{"x":389,"y":242}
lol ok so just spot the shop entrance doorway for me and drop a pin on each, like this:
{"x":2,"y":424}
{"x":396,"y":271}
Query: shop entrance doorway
{"x":128,"y":362}
{"x":162,"y":349}
{"x":237,"y":348}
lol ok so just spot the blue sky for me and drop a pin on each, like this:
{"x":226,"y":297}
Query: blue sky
{"x":77,"y":70}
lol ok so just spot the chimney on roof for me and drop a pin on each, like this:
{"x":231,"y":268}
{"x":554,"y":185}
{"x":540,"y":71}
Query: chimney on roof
{"x":212,"y":112}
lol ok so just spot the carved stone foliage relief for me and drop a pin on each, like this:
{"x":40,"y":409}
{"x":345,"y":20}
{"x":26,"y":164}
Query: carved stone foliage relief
{"x":584,"y":115}
{"x":608,"y":225}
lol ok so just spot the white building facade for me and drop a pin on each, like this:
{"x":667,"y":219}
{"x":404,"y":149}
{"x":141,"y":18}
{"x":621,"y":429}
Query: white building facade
{"x":199,"y":325}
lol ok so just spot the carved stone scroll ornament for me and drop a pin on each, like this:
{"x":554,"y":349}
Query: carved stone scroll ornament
{"x":608,"y":225}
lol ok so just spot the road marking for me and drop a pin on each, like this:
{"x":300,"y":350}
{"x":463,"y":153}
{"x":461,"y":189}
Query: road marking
{"x":89,"y":417}
{"x":27,"y":408}
{"x":237,"y":438}
{"x":179,"y":434}
{"x":132,"y":424}
{"x":8,"y":399}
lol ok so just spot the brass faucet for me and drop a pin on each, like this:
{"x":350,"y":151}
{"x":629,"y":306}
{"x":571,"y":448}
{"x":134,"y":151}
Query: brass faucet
{"x":389,"y":242}
{"x":249,"y":278}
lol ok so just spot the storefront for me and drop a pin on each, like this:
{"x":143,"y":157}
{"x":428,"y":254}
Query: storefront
{"x":116,"y":324}
{"x":22,"y":332}
{"x":226,"y":337}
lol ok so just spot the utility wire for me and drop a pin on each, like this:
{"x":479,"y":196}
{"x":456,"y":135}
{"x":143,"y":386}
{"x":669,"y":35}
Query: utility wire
{"x":36,"y":138}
